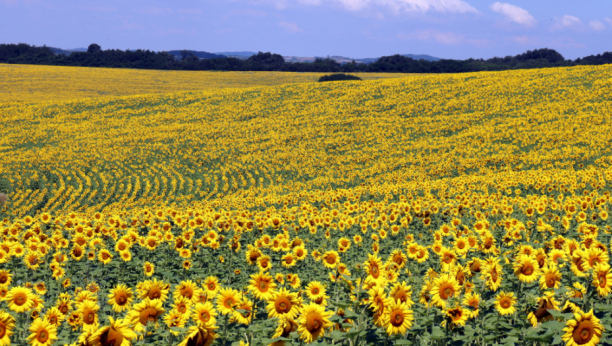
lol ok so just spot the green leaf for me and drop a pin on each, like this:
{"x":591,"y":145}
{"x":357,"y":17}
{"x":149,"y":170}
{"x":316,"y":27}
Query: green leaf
{"x":402,"y":342}
{"x":437,"y":333}
{"x":337,"y":335}
{"x":534,"y":335}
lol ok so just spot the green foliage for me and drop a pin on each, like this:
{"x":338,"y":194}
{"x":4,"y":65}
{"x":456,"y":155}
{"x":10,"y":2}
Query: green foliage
{"x":337,"y":77}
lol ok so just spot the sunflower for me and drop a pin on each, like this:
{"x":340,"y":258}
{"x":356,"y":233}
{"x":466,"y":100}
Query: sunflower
{"x":378,"y":303}
{"x":331,"y":259}
{"x":398,"y":257}
{"x":181,"y":304}
{"x":374,"y":268}
{"x":493,"y":274}
{"x":121,"y":298}
{"x":473,"y":301}
{"x":545,"y":303}
{"x":402,"y":293}
{"x":64,"y":305}
{"x":187,"y":289}
{"x":283,"y":329}
{"x":147,"y":311}
{"x":77,"y":253}
{"x":526,"y":268}
{"x":42,"y":332}
{"x":149,"y":268}
{"x":89,"y":313}
{"x":443,"y":288}
{"x":584,"y":329}
{"x":245,"y":316}
{"x":154,"y":290}
{"x":550,"y":277}
{"x":54,"y":316}
{"x":283,"y":304}
{"x":313,"y":322}
{"x":602,"y":279}
{"x":458,"y":315}
{"x":262,"y":285}
{"x":118,"y":333}
{"x":211,"y":286}
{"x":7,"y":323}
{"x":252,"y":254}
{"x":504,"y":303}
{"x":175,"y":319}
{"x":300,"y":252}
{"x":5,"y":278}
{"x":20,"y":299}
{"x":288,"y":260}
{"x":398,"y":318}
{"x":264,"y":262}
{"x":40,"y":288}
{"x":199,"y":336}
{"x":204,"y":314}
{"x":227,"y":300}
{"x":315,"y":290}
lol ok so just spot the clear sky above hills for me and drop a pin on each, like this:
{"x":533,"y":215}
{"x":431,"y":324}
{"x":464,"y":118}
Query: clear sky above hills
{"x":454,"y":29}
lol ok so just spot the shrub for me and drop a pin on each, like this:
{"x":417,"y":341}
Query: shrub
{"x":337,"y":76}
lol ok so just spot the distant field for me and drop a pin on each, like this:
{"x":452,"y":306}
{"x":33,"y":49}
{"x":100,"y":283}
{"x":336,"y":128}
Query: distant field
{"x":459,"y":209}
{"x":34,"y":83}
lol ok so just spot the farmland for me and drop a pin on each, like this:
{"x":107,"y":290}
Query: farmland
{"x":265,"y":209}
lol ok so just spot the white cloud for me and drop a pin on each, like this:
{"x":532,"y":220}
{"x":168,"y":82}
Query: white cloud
{"x":397,"y":6}
{"x":564,"y":22}
{"x":291,"y":27}
{"x":596,"y":25}
{"x":609,"y":21}
{"x":514,"y":13}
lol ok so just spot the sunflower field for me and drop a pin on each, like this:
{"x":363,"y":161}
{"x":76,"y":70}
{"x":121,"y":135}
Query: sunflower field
{"x":460,"y":209}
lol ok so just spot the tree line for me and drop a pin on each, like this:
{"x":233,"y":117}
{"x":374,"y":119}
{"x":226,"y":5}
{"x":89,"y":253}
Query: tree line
{"x":146,"y":59}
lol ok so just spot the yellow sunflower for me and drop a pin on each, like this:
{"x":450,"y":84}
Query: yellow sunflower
{"x":472,"y":300}
{"x":262,"y":285}
{"x":42,"y":333}
{"x":5,"y":278}
{"x":492,"y":271}
{"x":541,"y":314}
{"x":54,"y":316}
{"x":504,"y":303}
{"x":211,"y":286}
{"x":149,"y":269}
{"x":402,"y":293}
{"x":264,"y":262}
{"x":199,"y":336}
{"x":245,"y":316}
{"x":458,"y":315}
{"x":602,"y":279}
{"x":121,"y":298}
{"x":89,"y":313}
{"x":20,"y":299}
{"x":331,"y":259}
{"x":550,"y":277}
{"x":584,"y":329}
{"x":227,"y":299}
{"x":313,"y":322}
{"x":443,"y":288}
{"x":374,"y":268}
{"x":154,"y":290}
{"x":398,"y":318}
{"x":7,"y":323}
{"x":147,"y":311}
{"x":204,"y":314}
{"x":118,"y":333}
{"x":315,"y":290}
{"x":283,"y":304}
{"x":187,"y":289}
{"x":526,"y":268}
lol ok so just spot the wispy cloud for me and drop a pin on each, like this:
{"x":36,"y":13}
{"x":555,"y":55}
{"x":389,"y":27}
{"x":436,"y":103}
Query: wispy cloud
{"x":566,"y":22}
{"x":514,"y":13}
{"x":596,"y":25}
{"x":291,"y":27}
{"x":396,"y":6}
{"x":609,"y":21}
{"x":444,"y":37}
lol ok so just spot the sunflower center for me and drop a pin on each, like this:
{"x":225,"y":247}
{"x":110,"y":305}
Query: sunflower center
{"x":63,"y":309}
{"x":375,"y":271}
{"x":527,"y":270}
{"x":187,"y":292}
{"x":111,"y":337}
{"x":53,"y":320}
{"x":505,"y":303}
{"x":3,"y":279}
{"x":204,"y":316}
{"x":20,"y":299}
{"x":263,"y":286}
{"x":447,"y":292}
{"x":2,"y":330}
{"x":121,"y":299}
{"x":550,"y":282}
{"x":331,"y":259}
{"x":89,"y":317}
{"x":154,"y":293}
{"x":148,"y":314}
{"x":283,"y":305}
{"x":211,"y":286}
{"x":42,"y":336}
{"x":583,"y":333}
{"x":314,"y":323}
{"x":229,"y":303}
{"x":602,"y":280}
{"x":397,"y":318}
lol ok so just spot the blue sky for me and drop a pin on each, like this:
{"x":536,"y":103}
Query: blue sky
{"x":454,"y":29}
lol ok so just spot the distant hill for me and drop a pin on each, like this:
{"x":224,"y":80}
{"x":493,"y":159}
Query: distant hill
{"x":413,"y":56}
{"x":239,"y":55}
{"x":199,"y":54}
{"x":67,"y":51}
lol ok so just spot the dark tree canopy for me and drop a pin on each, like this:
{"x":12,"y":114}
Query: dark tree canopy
{"x":94,"y":48}
{"x":190,"y":60}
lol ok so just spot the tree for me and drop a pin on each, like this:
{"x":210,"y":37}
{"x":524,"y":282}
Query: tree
{"x":94,"y":48}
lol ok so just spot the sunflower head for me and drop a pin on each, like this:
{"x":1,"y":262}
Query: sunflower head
{"x":584,"y":329}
